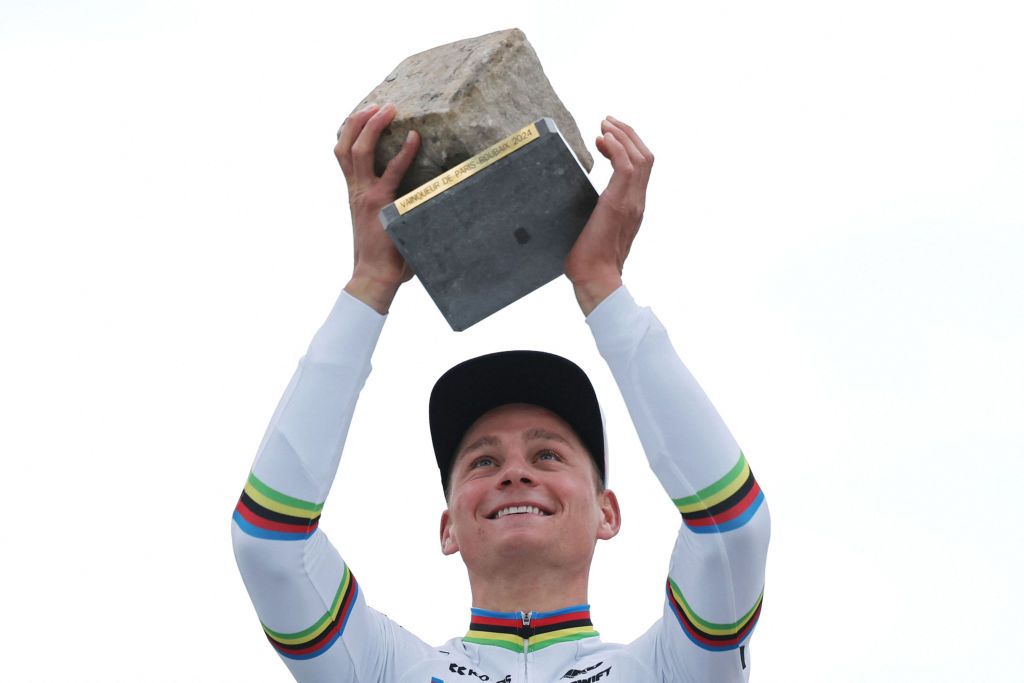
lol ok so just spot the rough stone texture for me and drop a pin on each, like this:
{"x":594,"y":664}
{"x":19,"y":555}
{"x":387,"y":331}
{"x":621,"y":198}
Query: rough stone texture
{"x":462,"y":98}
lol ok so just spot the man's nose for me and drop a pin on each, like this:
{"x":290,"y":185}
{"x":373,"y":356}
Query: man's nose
{"x":523,"y":479}
{"x":516,"y":471}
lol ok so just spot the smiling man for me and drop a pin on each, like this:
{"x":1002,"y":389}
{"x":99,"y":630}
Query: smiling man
{"x":520,"y":446}
{"x":525,"y":484}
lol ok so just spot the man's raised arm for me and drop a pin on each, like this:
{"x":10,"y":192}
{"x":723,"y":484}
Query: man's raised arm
{"x":306,"y":596}
{"x":716,"y":577}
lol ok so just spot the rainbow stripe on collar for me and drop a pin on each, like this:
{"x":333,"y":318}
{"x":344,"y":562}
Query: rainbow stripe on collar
{"x":506,"y":629}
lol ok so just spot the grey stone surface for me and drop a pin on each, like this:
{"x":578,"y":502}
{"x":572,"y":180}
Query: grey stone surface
{"x":465,"y":96}
{"x":498,"y":235}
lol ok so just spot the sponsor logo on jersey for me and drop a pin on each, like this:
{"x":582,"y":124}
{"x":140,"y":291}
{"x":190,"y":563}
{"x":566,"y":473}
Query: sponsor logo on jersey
{"x":457,"y":668}
{"x":573,"y":673}
{"x":595,"y":678}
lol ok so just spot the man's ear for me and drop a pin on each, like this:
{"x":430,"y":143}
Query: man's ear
{"x":611,"y":517}
{"x":449,"y":545}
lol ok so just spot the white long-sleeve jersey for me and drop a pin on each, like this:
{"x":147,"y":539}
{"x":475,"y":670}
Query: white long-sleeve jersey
{"x":317,"y":618}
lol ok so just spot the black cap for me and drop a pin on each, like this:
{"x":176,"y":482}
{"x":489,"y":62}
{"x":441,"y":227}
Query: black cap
{"x":480,"y":384}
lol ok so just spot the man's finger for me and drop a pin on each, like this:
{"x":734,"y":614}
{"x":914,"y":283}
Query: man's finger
{"x":642,"y":157}
{"x":350,"y":130}
{"x":641,"y":161}
{"x":622,"y":167}
{"x":364,"y":146}
{"x":628,"y":130}
{"x":635,"y":155}
{"x":617,"y":152}
{"x":400,"y":163}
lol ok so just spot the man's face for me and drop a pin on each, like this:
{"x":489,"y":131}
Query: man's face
{"x":523,"y":487}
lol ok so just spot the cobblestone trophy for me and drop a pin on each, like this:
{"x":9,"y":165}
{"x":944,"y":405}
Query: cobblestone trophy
{"x":498,"y":192}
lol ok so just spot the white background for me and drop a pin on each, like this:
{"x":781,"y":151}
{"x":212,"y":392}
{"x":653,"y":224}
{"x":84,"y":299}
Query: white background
{"x":833,"y":239}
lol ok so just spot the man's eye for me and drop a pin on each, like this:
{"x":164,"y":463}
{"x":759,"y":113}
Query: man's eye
{"x":548,"y":455}
{"x":484,"y":461}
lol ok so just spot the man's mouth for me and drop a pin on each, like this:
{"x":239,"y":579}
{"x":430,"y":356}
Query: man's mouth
{"x":518,"y":510}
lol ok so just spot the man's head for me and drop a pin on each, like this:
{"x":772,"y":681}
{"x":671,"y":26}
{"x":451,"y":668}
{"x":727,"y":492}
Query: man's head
{"x":524,"y":488}
{"x":519,"y":441}
{"x":470,"y":389}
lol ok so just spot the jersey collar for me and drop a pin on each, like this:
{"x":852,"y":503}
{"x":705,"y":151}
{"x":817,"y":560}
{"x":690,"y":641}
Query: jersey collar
{"x":522,"y":631}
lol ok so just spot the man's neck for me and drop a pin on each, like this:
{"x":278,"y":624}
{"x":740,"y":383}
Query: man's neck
{"x":528,"y":590}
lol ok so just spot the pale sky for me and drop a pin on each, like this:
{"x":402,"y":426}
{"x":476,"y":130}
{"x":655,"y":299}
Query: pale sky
{"x":833,"y":238}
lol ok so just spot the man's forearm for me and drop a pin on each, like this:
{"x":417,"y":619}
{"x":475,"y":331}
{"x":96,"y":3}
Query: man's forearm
{"x":302,"y":447}
{"x":677,"y":424}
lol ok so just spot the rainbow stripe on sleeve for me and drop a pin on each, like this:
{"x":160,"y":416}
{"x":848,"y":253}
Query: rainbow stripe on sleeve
{"x":316,"y":639}
{"x":706,"y":634}
{"x":266,"y":513}
{"x":727,"y":504}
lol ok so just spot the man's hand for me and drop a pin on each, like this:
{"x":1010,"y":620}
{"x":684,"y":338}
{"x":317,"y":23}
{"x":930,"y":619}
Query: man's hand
{"x":594,"y":265}
{"x":379,"y":269}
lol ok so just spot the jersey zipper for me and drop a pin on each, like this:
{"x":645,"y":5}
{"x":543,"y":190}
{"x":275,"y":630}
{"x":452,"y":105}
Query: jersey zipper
{"x":527,"y":616}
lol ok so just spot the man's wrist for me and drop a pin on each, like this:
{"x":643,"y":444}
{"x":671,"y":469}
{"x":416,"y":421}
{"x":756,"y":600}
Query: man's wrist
{"x":592,"y":292}
{"x":375,"y":293}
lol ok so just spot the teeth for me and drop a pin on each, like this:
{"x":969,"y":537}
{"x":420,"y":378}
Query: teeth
{"x":519,"y":510}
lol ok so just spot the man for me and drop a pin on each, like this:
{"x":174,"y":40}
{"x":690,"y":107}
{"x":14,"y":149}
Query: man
{"x":520,"y":446}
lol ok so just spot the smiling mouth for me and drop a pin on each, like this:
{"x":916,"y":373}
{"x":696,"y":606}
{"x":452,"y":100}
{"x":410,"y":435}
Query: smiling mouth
{"x":518,"y":510}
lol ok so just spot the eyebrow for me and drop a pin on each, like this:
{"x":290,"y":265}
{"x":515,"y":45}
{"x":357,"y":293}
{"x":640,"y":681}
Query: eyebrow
{"x":482,"y":441}
{"x":536,"y":434}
